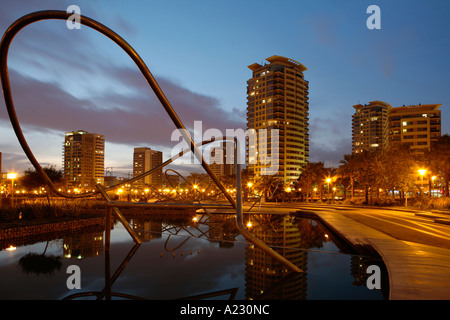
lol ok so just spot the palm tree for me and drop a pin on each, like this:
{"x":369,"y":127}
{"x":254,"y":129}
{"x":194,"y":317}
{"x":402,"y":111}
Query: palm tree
{"x":40,"y":263}
{"x":267,"y":185}
{"x":313,"y":173}
{"x":348,"y":171}
{"x":33,"y":180}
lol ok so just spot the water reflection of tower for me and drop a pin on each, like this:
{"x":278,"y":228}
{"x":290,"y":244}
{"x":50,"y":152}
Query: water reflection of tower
{"x":147,"y":229}
{"x":79,"y":246}
{"x":265,"y":275}
{"x":222,"y":229}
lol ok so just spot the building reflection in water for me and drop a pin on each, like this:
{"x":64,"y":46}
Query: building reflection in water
{"x":80,"y":246}
{"x":223,"y":230}
{"x":147,"y":229}
{"x":264,"y":276}
{"x":296,"y":238}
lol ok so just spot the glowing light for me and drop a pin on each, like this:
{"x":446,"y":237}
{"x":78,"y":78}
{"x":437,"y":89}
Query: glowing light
{"x":11,"y":176}
{"x":422,"y":171}
{"x":11,"y":248}
{"x":249,"y":224}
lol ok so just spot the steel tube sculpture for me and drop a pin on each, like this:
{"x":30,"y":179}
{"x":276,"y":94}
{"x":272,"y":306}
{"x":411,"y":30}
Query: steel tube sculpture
{"x":62,"y":15}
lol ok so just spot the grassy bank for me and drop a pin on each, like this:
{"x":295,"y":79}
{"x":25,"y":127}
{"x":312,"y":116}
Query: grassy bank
{"x":34,"y":210}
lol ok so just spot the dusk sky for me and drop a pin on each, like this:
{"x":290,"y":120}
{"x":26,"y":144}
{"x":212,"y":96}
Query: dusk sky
{"x":64,"y":80}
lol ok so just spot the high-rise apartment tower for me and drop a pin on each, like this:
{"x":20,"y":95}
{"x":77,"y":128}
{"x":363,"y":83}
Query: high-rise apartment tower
{"x":145,"y":159}
{"x":370,"y":125}
{"x":84,"y":159}
{"x":277,"y":98}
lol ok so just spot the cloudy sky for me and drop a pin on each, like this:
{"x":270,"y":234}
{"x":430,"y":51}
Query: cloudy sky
{"x":70,"y":79}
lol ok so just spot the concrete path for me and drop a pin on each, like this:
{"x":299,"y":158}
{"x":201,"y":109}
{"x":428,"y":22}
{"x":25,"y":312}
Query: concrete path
{"x":416,"y":271}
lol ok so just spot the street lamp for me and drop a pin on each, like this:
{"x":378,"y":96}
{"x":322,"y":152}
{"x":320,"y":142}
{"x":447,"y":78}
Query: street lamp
{"x":12,"y":176}
{"x":328,"y":183}
{"x":432,"y":179}
{"x":249,"y":185}
{"x":422,"y":173}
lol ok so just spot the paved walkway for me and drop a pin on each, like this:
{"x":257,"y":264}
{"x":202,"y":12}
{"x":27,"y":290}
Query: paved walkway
{"x":417,"y":271}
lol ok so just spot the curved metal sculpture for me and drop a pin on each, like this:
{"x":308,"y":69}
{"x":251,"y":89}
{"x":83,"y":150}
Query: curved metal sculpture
{"x":62,"y":15}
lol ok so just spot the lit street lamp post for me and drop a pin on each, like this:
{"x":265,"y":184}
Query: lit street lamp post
{"x":12,"y":176}
{"x":422,"y":173}
{"x":250,"y":184}
{"x":328,"y":183}
{"x":432,"y":184}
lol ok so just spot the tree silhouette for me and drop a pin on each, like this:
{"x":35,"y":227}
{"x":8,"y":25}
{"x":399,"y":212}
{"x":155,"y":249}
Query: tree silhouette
{"x":440,"y":160}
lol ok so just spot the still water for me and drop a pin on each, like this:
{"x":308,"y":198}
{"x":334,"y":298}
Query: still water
{"x":201,"y":256}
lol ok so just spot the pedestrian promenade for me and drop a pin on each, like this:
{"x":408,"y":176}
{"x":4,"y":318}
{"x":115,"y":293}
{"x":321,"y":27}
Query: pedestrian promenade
{"x":416,"y":271}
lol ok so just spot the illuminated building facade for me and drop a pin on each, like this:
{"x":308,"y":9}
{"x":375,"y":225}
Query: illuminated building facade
{"x":417,"y":126}
{"x":277,"y":98}
{"x":84,"y":159}
{"x":223,"y":159}
{"x":145,"y":159}
{"x":370,"y":125}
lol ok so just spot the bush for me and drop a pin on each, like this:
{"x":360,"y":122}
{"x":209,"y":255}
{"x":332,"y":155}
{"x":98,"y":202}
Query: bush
{"x":441,"y":203}
{"x":39,"y":210}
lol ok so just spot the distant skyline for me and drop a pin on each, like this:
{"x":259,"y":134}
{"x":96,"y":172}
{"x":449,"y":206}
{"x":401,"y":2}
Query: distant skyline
{"x":64,"y":80}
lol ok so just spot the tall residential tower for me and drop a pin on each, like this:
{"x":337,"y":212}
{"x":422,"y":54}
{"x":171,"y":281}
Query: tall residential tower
{"x":370,"y":126}
{"x":145,"y":159}
{"x":84,"y":159}
{"x":277,"y":98}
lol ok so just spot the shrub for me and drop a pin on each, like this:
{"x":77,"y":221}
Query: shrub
{"x":439,"y":203}
{"x":31,"y":209}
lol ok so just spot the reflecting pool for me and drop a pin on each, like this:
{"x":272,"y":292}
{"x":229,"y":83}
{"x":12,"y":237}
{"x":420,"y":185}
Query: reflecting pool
{"x":191,"y":256}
